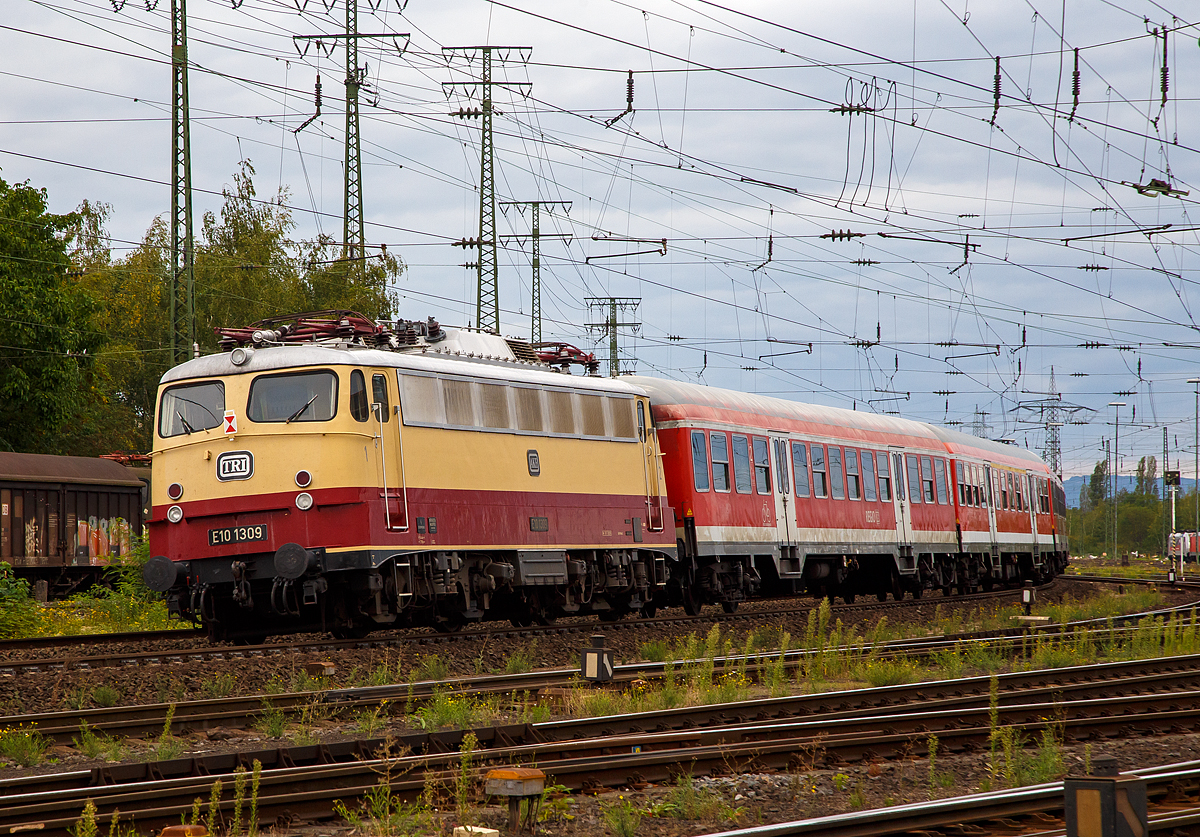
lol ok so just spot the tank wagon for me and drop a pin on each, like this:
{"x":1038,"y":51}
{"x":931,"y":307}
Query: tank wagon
{"x":327,"y":472}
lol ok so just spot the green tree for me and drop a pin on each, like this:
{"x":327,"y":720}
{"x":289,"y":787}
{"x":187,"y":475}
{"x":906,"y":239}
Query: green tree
{"x":1147,"y":475}
{"x":1098,"y":484}
{"x":47,"y":337}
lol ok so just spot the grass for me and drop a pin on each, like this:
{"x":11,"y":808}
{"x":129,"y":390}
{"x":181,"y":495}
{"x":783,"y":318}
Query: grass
{"x":621,"y":817}
{"x":94,"y":744}
{"x":686,"y":801}
{"x":450,"y":709}
{"x":25,"y":747}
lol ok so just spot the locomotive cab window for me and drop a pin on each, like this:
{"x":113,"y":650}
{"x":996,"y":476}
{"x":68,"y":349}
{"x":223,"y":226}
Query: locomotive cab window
{"x":188,"y":408}
{"x":762,"y":467}
{"x":379,"y":395}
{"x":741,"y":464}
{"x":294,"y":397}
{"x":699,"y":460}
{"x":800,"y":467}
{"x":358,"y":396}
{"x":720,"y":461}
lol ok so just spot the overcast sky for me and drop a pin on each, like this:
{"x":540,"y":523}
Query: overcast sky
{"x":991,"y":244}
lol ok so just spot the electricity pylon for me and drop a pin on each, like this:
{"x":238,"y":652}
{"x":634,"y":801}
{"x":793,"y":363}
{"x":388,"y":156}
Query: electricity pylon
{"x":535,"y":329}
{"x":611,"y":305}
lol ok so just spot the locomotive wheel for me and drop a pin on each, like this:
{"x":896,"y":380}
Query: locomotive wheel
{"x":729,"y":607}
{"x":691,"y":602}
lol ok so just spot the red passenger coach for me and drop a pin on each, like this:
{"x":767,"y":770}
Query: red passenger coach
{"x":798,"y":497}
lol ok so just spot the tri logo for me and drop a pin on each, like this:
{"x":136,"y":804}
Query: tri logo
{"x":235,"y":465}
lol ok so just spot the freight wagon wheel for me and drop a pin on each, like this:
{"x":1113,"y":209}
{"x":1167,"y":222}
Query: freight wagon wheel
{"x":881,"y":595}
{"x":691,"y":602}
{"x":729,"y":607}
{"x":848,"y":596}
{"x":449,"y":623}
{"x":917,"y":591}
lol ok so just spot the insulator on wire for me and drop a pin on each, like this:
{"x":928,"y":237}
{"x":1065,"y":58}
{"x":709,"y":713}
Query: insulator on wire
{"x":996,"y":92}
{"x":629,"y":89}
{"x":1166,"y":70}
{"x":1075,"y":87}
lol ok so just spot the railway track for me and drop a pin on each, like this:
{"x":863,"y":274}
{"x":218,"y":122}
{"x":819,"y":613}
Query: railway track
{"x":754,"y":736}
{"x":241,"y":711}
{"x":1035,"y":811}
{"x":421,"y":639}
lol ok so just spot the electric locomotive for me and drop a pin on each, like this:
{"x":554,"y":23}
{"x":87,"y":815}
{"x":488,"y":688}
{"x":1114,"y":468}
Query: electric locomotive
{"x":325,"y":472}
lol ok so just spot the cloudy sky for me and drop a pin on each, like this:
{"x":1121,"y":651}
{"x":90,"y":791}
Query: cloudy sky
{"x":990,"y":243}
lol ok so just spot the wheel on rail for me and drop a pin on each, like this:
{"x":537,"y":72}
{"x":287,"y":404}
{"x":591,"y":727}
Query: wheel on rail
{"x":649,"y":609}
{"x":255,"y":638}
{"x":357,"y":630}
{"x":848,"y":597}
{"x":729,"y":607}
{"x":691,"y":603}
{"x":522,"y":620}
{"x":450,"y":623}
{"x":881,"y":595}
{"x":917,"y":591}
{"x":613,"y":615}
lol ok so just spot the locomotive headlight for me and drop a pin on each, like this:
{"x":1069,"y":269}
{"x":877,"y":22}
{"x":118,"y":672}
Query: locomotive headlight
{"x":239,"y":356}
{"x":304,"y":501}
{"x":174,"y":514}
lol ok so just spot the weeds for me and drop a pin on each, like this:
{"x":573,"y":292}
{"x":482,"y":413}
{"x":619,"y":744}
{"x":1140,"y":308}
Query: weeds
{"x":686,"y":801}
{"x":272,"y":722}
{"x":464,"y":780}
{"x":105,"y":695}
{"x":432,"y":667}
{"x":521,"y":660}
{"x":381,"y":814}
{"x":95,"y":744}
{"x":219,"y":685}
{"x":448,"y":709}
{"x":621,"y":817}
{"x":370,"y":721}
{"x":26,"y":747}
{"x":86,"y":825}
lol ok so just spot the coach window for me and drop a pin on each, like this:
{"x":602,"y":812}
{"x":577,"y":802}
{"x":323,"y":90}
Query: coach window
{"x":800,"y":467}
{"x":781,"y":467}
{"x":380,"y":395}
{"x":853,"y":484}
{"x":939,"y":472}
{"x":762,"y":466}
{"x":358,"y":396}
{"x":719,"y":445}
{"x":837,"y":487}
{"x":820,"y":486}
{"x":913,"y":469}
{"x":885,"y":478}
{"x":741,"y":464}
{"x":191,"y":407}
{"x":295,"y":396}
{"x":699,"y":459}
{"x":927,"y":479}
{"x":868,"y":475}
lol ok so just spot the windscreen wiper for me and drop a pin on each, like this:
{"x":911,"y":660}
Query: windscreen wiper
{"x":187,"y":428}
{"x":300,"y":412}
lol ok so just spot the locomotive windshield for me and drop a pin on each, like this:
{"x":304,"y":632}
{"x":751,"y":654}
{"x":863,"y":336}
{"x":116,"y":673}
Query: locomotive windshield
{"x":191,"y":407}
{"x":301,"y":396}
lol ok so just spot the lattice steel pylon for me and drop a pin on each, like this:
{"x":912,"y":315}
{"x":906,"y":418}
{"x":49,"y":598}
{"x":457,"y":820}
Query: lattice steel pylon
{"x":611,"y":305}
{"x":535,"y":326}
{"x":1050,"y":412}
{"x":352,"y":200}
{"x":183,"y":287}
{"x":487,"y":292}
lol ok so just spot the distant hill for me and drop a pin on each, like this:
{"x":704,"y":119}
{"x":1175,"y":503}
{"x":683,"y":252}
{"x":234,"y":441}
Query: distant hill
{"x":1126,"y":482}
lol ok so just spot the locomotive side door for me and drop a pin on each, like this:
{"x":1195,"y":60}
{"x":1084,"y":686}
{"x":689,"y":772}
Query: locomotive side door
{"x":900,"y":499}
{"x":650,"y":467}
{"x":783,"y":491}
{"x":389,"y":449}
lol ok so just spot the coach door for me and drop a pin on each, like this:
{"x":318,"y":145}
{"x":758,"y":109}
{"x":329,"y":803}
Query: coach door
{"x":390,"y":453}
{"x":1031,"y":499}
{"x":783,"y":492}
{"x":990,"y":498}
{"x":900,"y":499}
{"x":646,"y":438}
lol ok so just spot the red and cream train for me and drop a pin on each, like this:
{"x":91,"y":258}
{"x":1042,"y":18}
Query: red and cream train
{"x":326,"y":472}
